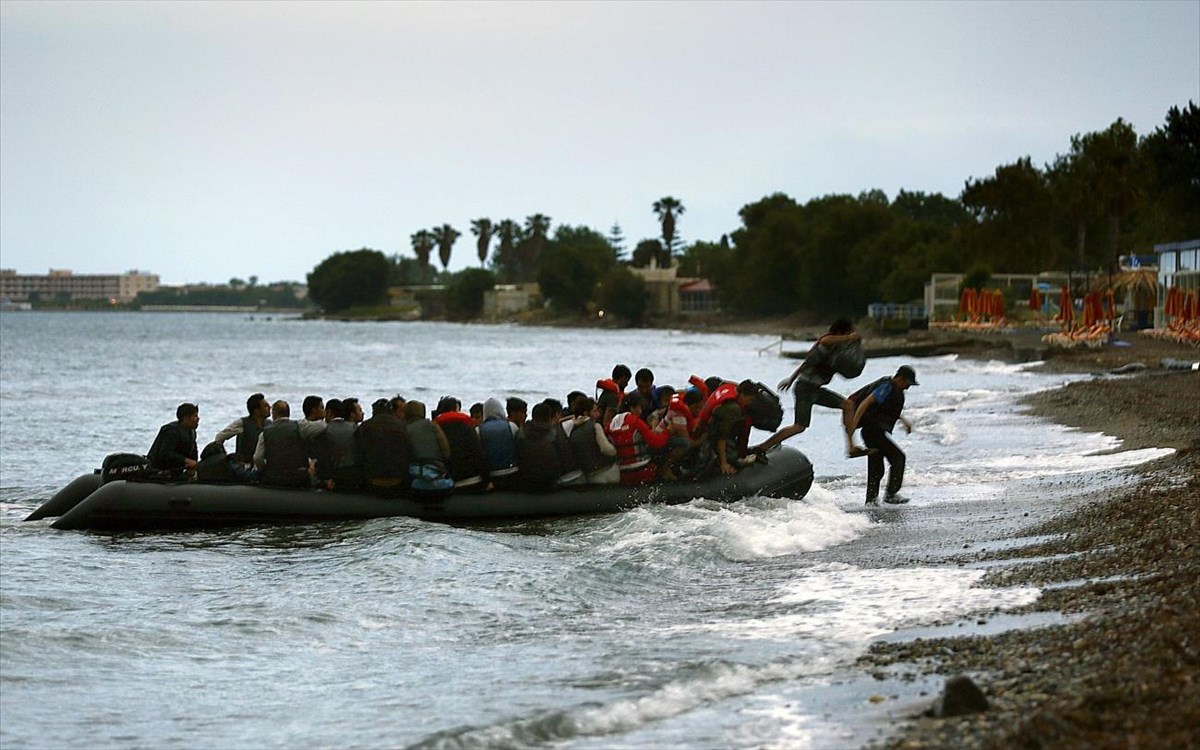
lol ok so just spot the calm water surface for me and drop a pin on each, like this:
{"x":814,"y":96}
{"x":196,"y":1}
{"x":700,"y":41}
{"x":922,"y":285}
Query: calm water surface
{"x":685,"y":626}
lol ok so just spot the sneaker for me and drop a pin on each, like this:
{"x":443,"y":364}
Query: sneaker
{"x":858,"y":452}
{"x":895,"y":499}
{"x":873,"y":500}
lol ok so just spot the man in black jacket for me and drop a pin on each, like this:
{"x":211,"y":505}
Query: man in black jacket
{"x":174,"y":448}
{"x":382,"y":450}
{"x":878,"y":411}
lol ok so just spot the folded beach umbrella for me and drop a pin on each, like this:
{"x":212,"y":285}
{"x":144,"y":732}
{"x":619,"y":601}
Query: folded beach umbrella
{"x":1089,"y":309}
{"x":1066,"y":311}
{"x":998,"y":296}
{"x":1035,"y":299}
{"x":1111,"y":298}
{"x":1190,"y":311}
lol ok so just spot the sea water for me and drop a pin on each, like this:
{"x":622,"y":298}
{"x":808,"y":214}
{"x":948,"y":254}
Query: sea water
{"x":698,"y":625}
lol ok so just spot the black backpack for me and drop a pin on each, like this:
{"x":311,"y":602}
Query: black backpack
{"x":765,"y":411}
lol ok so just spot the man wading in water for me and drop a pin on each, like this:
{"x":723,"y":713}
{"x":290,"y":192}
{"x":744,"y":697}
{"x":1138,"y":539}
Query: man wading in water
{"x":879,"y":408}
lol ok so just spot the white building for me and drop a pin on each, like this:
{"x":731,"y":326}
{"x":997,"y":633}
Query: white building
{"x":62,"y":284}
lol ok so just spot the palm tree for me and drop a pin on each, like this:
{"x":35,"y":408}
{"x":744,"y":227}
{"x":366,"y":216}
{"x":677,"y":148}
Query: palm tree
{"x":537,"y":229}
{"x":505,"y":259}
{"x":482,"y":228}
{"x":423,"y":243}
{"x":667,"y":209}
{"x":445,"y":235}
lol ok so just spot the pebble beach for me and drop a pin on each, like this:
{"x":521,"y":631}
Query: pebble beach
{"x":1119,"y":572}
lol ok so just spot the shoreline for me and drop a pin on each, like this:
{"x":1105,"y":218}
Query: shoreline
{"x":1120,"y":568}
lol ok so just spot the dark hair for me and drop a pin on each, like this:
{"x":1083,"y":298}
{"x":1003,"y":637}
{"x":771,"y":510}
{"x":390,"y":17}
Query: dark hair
{"x":747,"y":387}
{"x":334,"y":408}
{"x":447,"y":404}
{"x":541,"y":412}
{"x":395,"y":403}
{"x":643,"y":375}
{"x":633,"y":399}
{"x":310,"y":403}
{"x":692,"y":396}
{"x":514,"y":405}
{"x":379,"y":406}
{"x":186,"y":410}
{"x":348,"y":405}
{"x":663,"y":393}
{"x":476,"y":409}
{"x":583,"y":406}
{"x":840,"y":326}
{"x":574,"y":396}
{"x":621,"y":371}
{"x":253,"y":403}
{"x":712,"y":382}
{"x":554,"y":405}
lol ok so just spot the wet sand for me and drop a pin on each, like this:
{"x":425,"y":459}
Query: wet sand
{"x":1115,"y":659}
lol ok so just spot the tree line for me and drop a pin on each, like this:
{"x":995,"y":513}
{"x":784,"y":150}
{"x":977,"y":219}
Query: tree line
{"x":1110,"y":194}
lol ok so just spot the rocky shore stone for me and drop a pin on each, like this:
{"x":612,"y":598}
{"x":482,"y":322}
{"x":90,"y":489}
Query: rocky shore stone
{"x":960,"y":696}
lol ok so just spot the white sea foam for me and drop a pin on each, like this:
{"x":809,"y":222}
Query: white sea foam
{"x":752,"y":529}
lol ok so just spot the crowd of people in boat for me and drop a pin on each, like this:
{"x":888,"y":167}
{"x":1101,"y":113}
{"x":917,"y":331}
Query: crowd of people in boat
{"x":647,"y":434}
{"x":650,"y":433}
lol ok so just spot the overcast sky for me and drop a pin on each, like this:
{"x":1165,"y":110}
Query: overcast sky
{"x":206,"y":140}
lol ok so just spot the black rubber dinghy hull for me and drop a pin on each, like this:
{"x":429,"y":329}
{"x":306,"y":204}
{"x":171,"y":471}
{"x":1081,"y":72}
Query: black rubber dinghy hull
{"x":124,"y":505}
{"x":68,"y":497}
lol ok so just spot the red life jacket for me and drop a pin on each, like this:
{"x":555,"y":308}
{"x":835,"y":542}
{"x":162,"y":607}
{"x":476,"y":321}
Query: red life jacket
{"x":724,"y":392}
{"x":454,"y":416}
{"x":634,"y":440}
{"x":608,"y":384}
{"x":677,"y":406}
{"x":698,"y":383}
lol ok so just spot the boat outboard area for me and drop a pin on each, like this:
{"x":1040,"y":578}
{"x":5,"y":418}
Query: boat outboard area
{"x":87,"y":503}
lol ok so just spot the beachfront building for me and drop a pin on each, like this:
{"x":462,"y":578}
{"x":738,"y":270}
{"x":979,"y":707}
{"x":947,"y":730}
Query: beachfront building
{"x":1178,"y":266}
{"x":63,"y":285}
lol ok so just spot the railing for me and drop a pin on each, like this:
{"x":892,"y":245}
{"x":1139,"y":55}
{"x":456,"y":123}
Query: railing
{"x":774,"y":344}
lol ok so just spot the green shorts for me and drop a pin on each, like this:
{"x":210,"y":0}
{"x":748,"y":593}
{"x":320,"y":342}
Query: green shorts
{"x":807,"y":397}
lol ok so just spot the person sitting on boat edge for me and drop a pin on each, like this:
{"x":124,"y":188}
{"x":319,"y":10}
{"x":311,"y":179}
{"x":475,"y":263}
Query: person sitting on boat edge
{"x":724,"y":425}
{"x":283,"y":453}
{"x":679,"y":422}
{"x":467,"y":463}
{"x":337,"y":465}
{"x":879,"y":407}
{"x":537,"y":453}
{"x":517,"y":411}
{"x":611,"y":391}
{"x":426,"y":440}
{"x":594,"y":453}
{"x":561,"y":427}
{"x":498,"y":437}
{"x":382,"y":449}
{"x":644,"y":386}
{"x":829,"y":355}
{"x":313,"y":421}
{"x":174,"y":447}
{"x":247,"y":429}
{"x":638,"y":447}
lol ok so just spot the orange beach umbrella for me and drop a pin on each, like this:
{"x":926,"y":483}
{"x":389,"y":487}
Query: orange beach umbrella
{"x":1066,"y":309}
{"x":1035,"y":299}
{"x":1189,"y":309}
{"x":1111,"y":298}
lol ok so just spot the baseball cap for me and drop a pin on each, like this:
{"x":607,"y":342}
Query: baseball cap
{"x":908,"y":374}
